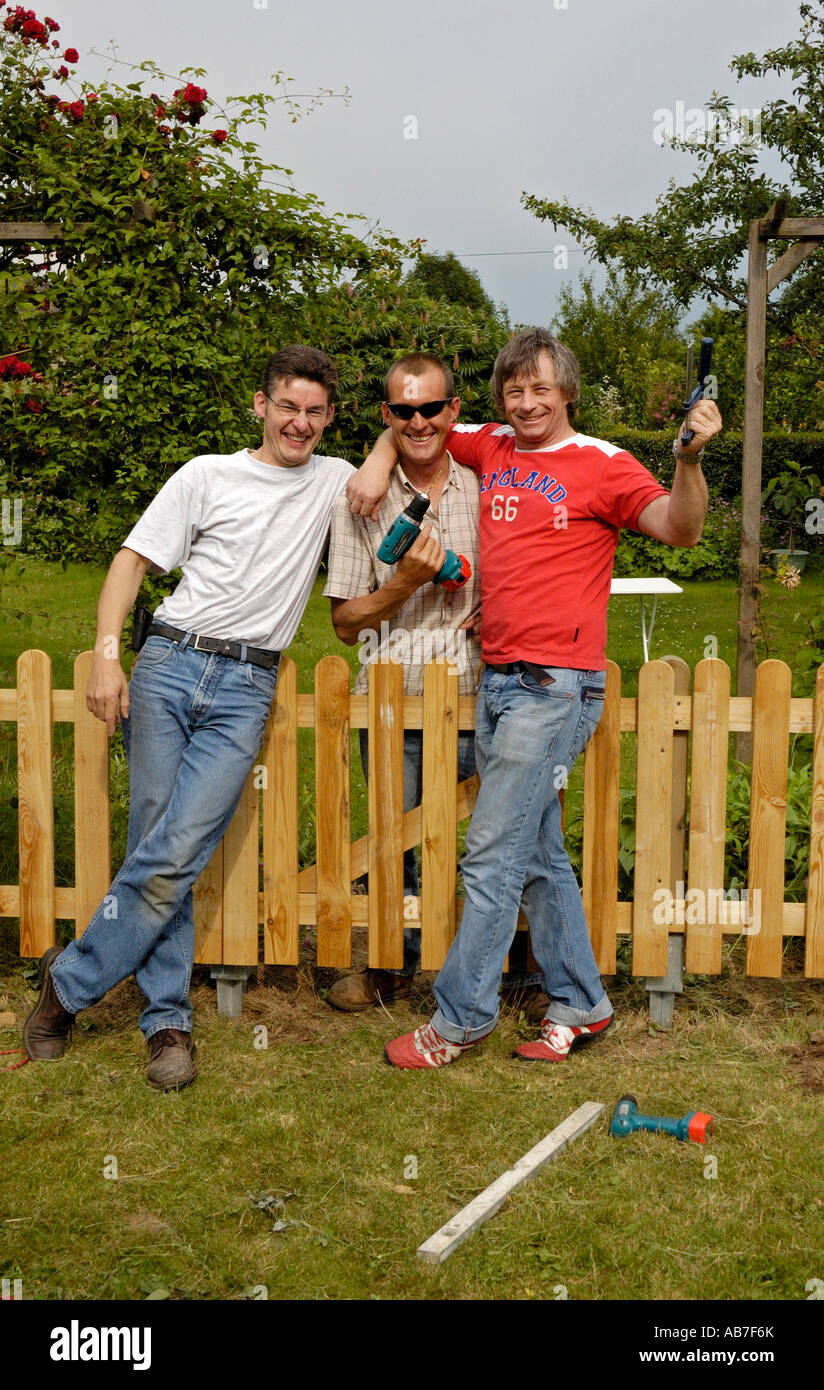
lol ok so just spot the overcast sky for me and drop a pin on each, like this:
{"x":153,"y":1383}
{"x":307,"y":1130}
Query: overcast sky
{"x":555,"y":97}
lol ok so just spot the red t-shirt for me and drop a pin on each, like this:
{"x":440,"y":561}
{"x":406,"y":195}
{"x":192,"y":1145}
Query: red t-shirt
{"x":549,"y":524}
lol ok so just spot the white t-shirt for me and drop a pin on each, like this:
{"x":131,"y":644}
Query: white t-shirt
{"x":248,"y":537}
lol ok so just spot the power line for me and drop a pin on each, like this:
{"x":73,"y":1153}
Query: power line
{"x":471,"y":255}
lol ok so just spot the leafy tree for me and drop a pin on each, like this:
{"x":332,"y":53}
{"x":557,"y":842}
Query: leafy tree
{"x":625,"y":337}
{"x":444,"y":278}
{"x":367,"y":326}
{"x":692,"y":243}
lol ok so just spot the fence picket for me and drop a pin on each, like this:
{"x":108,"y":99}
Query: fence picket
{"x":708,"y":810}
{"x":92,"y":864}
{"x":650,"y":934}
{"x":208,"y":912}
{"x":240,"y":879}
{"x":768,"y":816}
{"x":438,"y":812}
{"x":332,"y":801}
{"x":602,"y":772}
{"x":280,"y":823}
{"x":35,"y":786}
{"x":814,"y":921}
{"x":385,"y":816}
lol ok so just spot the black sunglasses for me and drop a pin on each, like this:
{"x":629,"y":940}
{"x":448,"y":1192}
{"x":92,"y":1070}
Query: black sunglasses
{"x":428,"y":409}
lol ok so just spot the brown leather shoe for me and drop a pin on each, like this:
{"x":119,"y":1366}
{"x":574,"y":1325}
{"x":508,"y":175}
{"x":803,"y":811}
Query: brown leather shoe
{"x":529,"y":1001}
{"x":171,"y":1060}
{"x":356,"y":992}
{"x":48,"y":1026}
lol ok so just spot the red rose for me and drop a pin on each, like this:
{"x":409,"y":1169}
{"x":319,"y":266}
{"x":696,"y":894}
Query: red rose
{"x":71,"y":55}
{"x":36,"y":407}
{"x":76,"y":110}
{"x":91,"y":98}
{"x":51,"y":24}
{"x":219,"y":136}
{"x":63,"y":71}
{"x":160,"y":112}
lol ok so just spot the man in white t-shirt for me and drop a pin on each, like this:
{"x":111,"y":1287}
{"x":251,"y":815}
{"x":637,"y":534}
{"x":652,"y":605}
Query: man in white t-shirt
{"x":248,"y":530}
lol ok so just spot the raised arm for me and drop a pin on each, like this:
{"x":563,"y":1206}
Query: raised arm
{"x":679,"y":518}
{"x":108,"y":689}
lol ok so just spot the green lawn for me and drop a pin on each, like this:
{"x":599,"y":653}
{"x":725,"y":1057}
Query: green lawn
{"x":317,"y":1114}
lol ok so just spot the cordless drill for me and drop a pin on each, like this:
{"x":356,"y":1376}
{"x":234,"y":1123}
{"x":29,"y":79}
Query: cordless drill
{"x":403,"y":533}
{"x":695,"y":1125}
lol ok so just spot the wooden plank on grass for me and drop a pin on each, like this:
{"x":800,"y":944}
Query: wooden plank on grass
{"x":240,"y":879}
{"x":602,"y":771}
{"x":814,"y":923}
{"x":92,"y":871}
{"x":332,"y":801}
{"x":768,"y":817}
{"x":280,"y":822}
{"x":446,"y":1240}
{"x":650,"y":934}
{"x":385,"y":815}
{"x":708,"y":812}
{"x":36,"y":802}
{"x":438,"y":814}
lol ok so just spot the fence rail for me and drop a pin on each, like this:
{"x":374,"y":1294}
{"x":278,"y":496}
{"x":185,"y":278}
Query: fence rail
{"x":233,"y":899}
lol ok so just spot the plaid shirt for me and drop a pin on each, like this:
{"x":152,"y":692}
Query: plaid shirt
{"x":427,"y":625}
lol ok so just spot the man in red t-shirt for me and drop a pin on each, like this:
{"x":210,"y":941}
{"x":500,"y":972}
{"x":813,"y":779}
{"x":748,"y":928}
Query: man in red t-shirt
{"x":552,"y":504}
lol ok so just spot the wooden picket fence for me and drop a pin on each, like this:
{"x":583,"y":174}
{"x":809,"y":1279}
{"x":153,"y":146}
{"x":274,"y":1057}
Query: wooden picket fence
{"x":234,"y":900}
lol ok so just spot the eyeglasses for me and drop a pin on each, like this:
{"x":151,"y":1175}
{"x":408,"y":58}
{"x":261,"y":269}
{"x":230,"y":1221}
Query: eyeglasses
{"x":428,"y":409}
{"x":315,"y":416}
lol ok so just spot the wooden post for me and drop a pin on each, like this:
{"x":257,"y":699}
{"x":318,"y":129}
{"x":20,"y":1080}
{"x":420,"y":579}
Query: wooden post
{"x":751,"y":477}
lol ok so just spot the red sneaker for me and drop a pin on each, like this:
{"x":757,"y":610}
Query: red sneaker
{"x":557,"y":1040}
{"x":423,"y":1048}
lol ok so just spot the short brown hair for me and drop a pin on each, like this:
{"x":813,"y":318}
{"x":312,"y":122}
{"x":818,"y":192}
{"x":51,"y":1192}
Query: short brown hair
{"x":416,"y":363}
{"x":299,"y":360}
{"x":521,"y":355}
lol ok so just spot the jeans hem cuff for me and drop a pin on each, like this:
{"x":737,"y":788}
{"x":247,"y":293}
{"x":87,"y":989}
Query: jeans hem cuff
{"x":578,"y":1018}
{"x":455,"y":1034}
{"x":178,"y":1027}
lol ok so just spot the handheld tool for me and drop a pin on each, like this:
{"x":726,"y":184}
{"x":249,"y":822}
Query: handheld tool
{"x":403,"y":533}
{"x":694,"y":393}
{"x":696,"y":1125}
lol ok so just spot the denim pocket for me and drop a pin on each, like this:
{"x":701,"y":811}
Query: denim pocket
{"x":156,"y":650}
{"x":528,"y":682}
{"x":261,"y":679}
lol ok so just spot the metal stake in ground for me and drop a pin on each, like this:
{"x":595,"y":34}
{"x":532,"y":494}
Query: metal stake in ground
{"x":440,"y":1246}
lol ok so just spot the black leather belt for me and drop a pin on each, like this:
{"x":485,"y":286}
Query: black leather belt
{"x":511,"y":668}
{"x":258,"y":656}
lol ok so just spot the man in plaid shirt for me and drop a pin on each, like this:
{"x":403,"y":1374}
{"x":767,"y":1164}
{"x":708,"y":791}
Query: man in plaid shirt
{"x":397,"y":608}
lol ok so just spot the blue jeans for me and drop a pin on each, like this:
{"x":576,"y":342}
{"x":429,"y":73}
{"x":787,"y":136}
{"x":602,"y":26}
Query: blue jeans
{"x":412,"y":793}
{"x":527,"y":737}
{"x":195,"y":726}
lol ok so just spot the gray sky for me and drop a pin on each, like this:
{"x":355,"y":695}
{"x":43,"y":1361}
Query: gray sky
{"x":507,"y":97}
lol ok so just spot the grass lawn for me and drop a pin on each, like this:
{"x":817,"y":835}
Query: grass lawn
{"x":364,"y":1163}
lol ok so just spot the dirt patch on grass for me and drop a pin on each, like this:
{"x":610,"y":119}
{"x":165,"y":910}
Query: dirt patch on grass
{"x":806,"y":1063}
